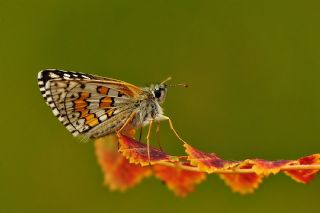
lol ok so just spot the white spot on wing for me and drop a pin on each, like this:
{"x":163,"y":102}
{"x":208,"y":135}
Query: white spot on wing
{"x":81,"y":122}
{"x":113,"y":92}
{"x":100,"y":113}
{"x":85,"y":127}
{"x":93,"y":105}
{"x":53,"y":75}
{"x":70,"y":127}
{"x":61,"y":84}
{"x":72,"y":84}
{"x":76,"y":133}
{"x":69,"y":104}
{"x":55,"y":111}
{"x":40,"y":75}
{"x":103,"y":118}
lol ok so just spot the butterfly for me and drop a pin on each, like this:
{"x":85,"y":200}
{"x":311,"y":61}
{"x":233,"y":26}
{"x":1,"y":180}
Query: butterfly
{"x":92,"y":106}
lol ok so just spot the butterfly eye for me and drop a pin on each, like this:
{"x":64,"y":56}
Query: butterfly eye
{"x":157,"y":93}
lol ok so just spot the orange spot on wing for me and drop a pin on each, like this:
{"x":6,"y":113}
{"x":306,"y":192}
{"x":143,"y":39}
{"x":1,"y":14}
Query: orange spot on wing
{"x":84,"y":95}
{"x":105,"y":102}
{"x":89,"y":117}
{"x":93,"y":122}
{"x":110,"y":112}
{"x":80,"y":104}
{"x":84,"y":112}
{"x":103,"y":90}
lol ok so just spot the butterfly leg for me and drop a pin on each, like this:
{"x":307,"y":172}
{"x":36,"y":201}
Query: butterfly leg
{"x":158,"y":135}
{"x":140,"y":134}
{"x":127,"y":122}
{"x":148,"y":140}
{"x":172,"y":128}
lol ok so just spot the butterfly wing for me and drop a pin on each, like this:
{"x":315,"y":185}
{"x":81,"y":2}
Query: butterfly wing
{"x":88,"y":104}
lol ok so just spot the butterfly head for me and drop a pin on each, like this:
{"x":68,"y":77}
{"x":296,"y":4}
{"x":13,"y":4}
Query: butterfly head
{"x":159,"y":92}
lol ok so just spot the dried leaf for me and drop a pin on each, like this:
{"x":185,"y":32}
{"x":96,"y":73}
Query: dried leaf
{"x":208,"y":162}
{"x":119,"y":174}
{"x":242,"y":183}
{"x":265,"y":167}
{"x":305,"y":176}
{"x":136,"y":152}
{"x":181,"y":174}
{"x":180,"y":181}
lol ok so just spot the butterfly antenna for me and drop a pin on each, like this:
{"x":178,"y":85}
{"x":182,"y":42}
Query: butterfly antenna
{"x":173,"y":85}
{"x":167,"y":79}
{"x":180,"y":85}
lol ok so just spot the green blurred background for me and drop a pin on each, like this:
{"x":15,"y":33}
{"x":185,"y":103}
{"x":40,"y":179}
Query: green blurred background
{"x":253,"y":69}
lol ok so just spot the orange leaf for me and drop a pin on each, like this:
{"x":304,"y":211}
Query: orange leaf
{"x":136,"y":152}
{"x":180,"y":181}
{"x":242,"y":183}
{"x":305,"y":176}
{"x":119,"y":174}
{"x":208,"y":162}
{"x":265,"y":167}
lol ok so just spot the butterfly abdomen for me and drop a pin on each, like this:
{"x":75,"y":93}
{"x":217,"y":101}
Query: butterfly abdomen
{"x":147,"y":110}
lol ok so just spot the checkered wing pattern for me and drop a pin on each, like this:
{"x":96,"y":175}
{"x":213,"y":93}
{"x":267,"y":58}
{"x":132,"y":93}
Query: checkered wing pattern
{"x":87,"y":104}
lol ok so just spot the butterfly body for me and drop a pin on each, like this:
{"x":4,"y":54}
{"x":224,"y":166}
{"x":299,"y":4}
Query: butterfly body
{"x":95,"y":106}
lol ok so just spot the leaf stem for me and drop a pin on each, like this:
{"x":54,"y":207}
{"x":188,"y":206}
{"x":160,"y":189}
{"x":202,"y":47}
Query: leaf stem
{"x":238,"y":170}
